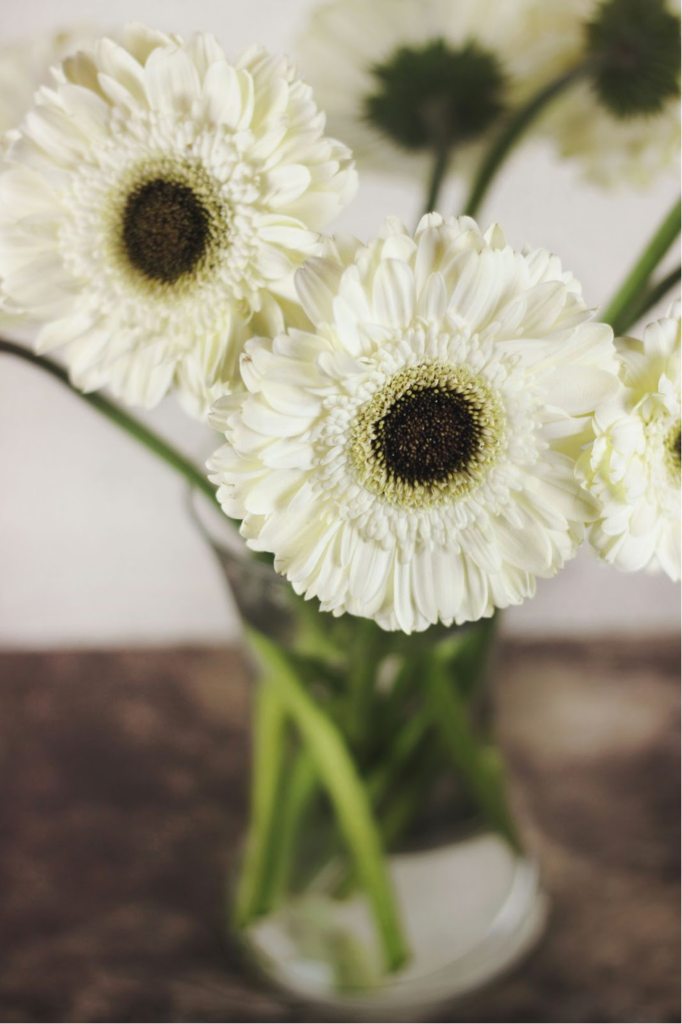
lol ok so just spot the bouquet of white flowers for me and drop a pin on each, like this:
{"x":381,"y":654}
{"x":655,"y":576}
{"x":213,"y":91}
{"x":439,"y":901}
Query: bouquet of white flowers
{"x":416,"y":426}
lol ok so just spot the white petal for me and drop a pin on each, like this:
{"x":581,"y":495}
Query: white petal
{"x":286,"y":184}
{"x":222,"y":95}
{"x":432,"y":301}
{"x":204,"y":50}
{"x":316,"y":284}
{"x":580,"y":389}
{"x":669,"y":550}
{"x":393,"y":293}
{"x":171,"y":81}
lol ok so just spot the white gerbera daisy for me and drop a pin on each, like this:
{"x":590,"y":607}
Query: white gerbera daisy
{"x":158,"y":200}
{"x":633,"y":467}
{"x":412,"y":458}
{"x":623,"y":121}
{"x":402,"y":78}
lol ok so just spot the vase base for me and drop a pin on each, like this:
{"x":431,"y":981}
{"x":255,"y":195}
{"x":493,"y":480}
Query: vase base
{"x":471,"y":911}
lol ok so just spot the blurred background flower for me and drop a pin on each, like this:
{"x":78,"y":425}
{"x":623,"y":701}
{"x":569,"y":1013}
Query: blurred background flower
{"x":402,"y":79}
{"x":622,"y":124}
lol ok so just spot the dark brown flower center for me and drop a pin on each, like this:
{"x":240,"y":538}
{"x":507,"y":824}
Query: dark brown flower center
{"x":427,"y":435}
{"x":166,"y":230}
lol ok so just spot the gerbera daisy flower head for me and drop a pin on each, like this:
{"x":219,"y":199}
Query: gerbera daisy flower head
{"x":400,"y":79}
{"x":157,"y":203}
{"x":622,"y":120}
{"x":412,"y":457}
{"x":633,"y":466}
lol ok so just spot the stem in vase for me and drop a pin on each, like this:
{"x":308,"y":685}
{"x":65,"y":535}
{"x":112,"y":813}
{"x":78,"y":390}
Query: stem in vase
{"x":479,"y":764}
{"x":300,"y":787}
{"x":268,"y":745}
{"x":340,"y":779}
{"x":410,"y":754}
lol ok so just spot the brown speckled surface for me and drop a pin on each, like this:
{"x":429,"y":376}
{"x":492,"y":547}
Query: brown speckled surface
{"x":123,"y":784}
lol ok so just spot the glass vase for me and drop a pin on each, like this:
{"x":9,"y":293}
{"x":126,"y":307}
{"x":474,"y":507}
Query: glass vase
{"x":382,"y":874}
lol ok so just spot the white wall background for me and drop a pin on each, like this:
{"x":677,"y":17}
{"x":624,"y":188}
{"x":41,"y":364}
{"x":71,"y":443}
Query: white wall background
{"x":96,"y":546}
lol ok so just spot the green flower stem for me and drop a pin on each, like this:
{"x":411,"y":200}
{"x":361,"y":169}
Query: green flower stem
{"x":635,"y":284}
{"x":401,"y":805}
{"x":301,"y":785}
{"x":510,"y":135}
{"x":440,"y":169}
{"x":388,"y":709}
{"x":649,"y":299}
{"x":409,"y":800}
{"x":397,"y":816}
{"x":397,"y":756}
{"x":269,"y":734}
{"x":361,"y":679}
{"x":470,"y":652}
{"x":478,"y":764}
{"x":404,"y":763}
{"x":153,"y":442}
{"x":346,"y":792}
